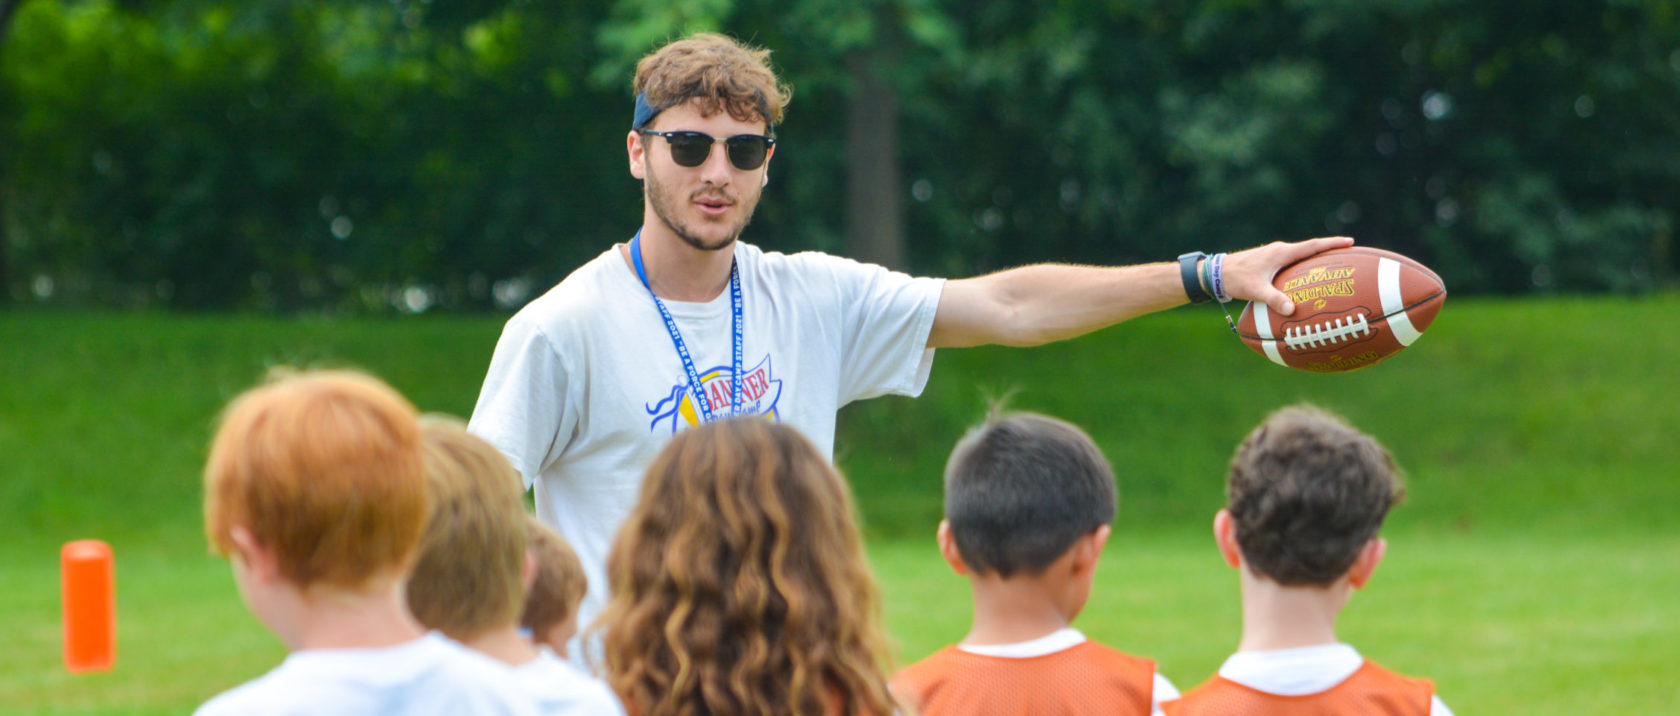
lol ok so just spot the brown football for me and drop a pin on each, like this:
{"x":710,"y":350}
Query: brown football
{"x":1354,"y":307}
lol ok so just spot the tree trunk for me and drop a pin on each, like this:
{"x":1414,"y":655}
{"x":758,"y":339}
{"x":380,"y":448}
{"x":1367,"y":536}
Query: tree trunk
{"x":5,"y":244}
{"x":7,"y":9}
{"x":874,"y":186}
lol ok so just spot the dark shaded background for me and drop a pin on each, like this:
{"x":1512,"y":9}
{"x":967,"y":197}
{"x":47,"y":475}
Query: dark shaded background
{"x":410,"y":156}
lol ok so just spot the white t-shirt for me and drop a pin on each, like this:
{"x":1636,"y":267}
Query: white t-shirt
{"x":1059,"y":640}
{"x":562,"y":690}
{"x":1305,"y":670}
{"x":430,"y":675}
{"x":585,"y":386}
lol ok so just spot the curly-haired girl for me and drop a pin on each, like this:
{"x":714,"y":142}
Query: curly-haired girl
{"x":739,"y":584}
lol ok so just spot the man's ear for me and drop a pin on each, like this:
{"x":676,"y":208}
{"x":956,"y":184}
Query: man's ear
{"x":260,"y":561}
{"x":1366,"y":562}
{"x":948,"y":548}
{"x":1225,"y":535}
{"x":637,"y":150}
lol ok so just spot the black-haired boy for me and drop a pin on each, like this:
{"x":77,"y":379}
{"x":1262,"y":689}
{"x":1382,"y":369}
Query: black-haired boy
{"x":1028,"y":504}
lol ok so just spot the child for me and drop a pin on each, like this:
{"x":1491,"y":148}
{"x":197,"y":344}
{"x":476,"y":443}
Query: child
{"x":738,"y":583}
{"x":469,"y":582}
{"x":1028,"y":502}
{"x":556,"y":590}
{"x":1307,"y":494}
{"x":314,"y":490}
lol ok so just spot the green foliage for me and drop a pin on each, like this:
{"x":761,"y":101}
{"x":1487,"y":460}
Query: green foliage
{"x":287,"y":156}
{"x":359,"y":156}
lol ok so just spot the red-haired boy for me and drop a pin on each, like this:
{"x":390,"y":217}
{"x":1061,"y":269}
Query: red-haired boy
{"x":314,"y":491}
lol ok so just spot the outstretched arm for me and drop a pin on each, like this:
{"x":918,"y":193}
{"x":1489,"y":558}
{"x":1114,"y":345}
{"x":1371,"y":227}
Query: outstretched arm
{"x":1037,"y":304}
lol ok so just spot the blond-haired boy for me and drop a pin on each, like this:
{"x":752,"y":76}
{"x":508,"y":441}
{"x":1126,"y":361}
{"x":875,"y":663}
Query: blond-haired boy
{"x":314,"y":491}
{"x":469,"y":582}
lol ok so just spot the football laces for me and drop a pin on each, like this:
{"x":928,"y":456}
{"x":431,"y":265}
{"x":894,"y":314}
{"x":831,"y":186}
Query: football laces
{"x":1329,"y":333}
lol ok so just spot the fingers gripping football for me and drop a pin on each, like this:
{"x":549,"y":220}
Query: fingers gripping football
{"x":1355,"y":307}
{"x":1249,"y":274}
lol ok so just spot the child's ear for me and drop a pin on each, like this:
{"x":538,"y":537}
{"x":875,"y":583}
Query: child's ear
{"x":1225,"y":535}
{"x":1366,"y":562}
{"x":260,"y":562}
{"x":1090,"y":549}
{"x":528,"y":571}
{"x":948,"y":548}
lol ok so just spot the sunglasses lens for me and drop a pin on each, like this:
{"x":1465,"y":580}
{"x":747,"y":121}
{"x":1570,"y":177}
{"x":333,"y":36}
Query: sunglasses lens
{"x":689,"y":149}
{"x":747,"y":152}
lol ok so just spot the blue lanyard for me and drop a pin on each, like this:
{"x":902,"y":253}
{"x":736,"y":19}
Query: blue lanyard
{"x":700,"y":399}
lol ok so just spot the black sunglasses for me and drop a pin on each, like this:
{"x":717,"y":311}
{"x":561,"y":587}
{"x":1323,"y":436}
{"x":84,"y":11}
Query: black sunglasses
{"x":690,"y":149}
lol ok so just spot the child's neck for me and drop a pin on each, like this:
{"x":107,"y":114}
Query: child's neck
{"x":339,"y":619}
{"x":1280,"y":617}
{"x":1011,"y":611}
{"x":504,"y":645}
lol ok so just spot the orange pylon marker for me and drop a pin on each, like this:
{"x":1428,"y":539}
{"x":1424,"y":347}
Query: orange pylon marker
{"x":90,"y":606}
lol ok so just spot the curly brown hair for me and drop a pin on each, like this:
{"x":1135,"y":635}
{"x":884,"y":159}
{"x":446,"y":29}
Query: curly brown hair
{"x":1306,"y":491}
{"x":739,"y":584}
{"x":723,"y":74}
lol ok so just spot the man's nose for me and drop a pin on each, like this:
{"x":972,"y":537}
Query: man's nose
{"x":716,"y":168}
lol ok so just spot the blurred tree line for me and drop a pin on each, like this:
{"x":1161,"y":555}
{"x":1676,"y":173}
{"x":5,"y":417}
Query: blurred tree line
{"x":408,"y":154}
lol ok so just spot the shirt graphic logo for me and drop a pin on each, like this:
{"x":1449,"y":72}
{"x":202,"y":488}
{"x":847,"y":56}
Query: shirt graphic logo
{"x":759,"y":394}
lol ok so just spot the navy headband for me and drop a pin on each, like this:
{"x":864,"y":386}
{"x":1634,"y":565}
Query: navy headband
{"x":645,"y":113}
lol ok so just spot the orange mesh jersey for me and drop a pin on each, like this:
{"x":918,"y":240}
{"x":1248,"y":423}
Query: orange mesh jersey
{"x":1370,"y":691}
{"x":1088,"y":678}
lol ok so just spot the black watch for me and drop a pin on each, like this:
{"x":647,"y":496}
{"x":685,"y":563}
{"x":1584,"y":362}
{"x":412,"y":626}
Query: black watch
{"x":1187,"y":273}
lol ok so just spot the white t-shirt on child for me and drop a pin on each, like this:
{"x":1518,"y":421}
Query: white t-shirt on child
{"x":1061,"y":640}
{"x":430,"y":675}
{"x":560,"y":689}
{"x":1305,"y":670}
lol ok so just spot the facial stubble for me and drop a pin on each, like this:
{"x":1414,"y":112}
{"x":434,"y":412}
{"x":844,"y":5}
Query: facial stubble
{"x":662,"y":202}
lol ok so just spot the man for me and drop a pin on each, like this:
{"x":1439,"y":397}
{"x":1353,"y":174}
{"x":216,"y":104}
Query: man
{"x":684,"y":323}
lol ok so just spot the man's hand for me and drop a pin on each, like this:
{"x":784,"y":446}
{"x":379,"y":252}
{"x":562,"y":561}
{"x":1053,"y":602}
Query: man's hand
{"x":1249,"y":273}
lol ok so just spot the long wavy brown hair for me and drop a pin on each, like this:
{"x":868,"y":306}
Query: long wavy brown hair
{"x":739,"y":584}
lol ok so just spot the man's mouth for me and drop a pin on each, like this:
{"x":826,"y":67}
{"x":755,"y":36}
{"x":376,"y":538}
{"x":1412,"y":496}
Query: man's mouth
{"x":713,"y":206}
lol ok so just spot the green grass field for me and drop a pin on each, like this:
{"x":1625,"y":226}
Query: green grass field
{"x":1533,"y":569}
